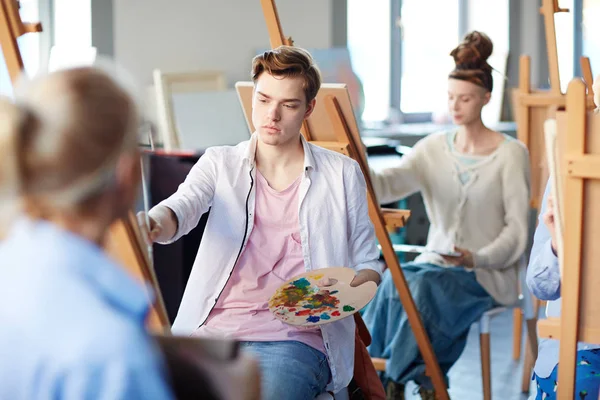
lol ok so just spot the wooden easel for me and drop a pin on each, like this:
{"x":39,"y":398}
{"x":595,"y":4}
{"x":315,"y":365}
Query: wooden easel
{"x":333,"y":125}
{"x":125,"y":243}
{"x":533,"y":108}
{"x":579,"y":168}
{"x":11,"y":28}
{"x":277,"y":39}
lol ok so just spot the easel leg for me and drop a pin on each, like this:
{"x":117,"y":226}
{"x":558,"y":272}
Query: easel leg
{"x":8,"y":42}
{"x":344,"y":135}
{"x":486,"y":370}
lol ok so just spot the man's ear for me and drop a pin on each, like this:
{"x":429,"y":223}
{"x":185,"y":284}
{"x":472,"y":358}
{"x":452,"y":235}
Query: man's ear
{"x":310,"y":108}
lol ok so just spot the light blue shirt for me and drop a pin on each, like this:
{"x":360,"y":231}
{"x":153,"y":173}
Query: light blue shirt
{"x":543,"y":279}
{"x":465,"y":162}
{"x":72,"y":321}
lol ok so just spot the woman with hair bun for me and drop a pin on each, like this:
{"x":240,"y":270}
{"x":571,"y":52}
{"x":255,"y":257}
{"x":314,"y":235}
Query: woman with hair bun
{"x":72,"y":320}
{"x":475,"y":186}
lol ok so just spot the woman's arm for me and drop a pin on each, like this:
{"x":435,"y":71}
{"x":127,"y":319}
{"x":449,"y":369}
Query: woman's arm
{"x":510,"y":244}
{"x":396,"y":183}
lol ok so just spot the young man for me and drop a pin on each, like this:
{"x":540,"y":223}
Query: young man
{"x":279,"y":207}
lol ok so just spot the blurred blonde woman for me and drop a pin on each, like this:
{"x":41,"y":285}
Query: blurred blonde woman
{"x":72,"y":320}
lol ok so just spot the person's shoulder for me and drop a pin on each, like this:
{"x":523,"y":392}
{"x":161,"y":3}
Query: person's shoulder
{"x":124,"y":363}
{"x":114,"y":341}
{"x":328,"y":157}
{"x":227,"y":150}
{"x":433,"y":141}
{"x":514,"y":147}
{"x":84,"y":321}
{"x":224,"y":156}
{"x":436,"y":136}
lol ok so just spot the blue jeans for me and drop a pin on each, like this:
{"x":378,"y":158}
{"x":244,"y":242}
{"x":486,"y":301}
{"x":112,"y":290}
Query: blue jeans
{"x":290,"y":370}
{"x":449,"y":301}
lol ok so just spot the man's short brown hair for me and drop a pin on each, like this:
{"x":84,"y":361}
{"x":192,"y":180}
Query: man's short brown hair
{"x":287,"y":61}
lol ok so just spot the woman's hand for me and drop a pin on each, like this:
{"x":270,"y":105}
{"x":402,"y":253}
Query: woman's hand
{"x":465,"y":259}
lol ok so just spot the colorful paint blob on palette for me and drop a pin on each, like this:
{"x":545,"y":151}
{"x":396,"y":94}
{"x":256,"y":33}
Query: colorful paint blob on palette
{"x":303,"y":298}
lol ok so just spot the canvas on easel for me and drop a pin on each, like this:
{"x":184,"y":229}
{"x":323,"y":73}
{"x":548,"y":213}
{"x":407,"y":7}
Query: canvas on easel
{"x":166,"y":84}
{"x":332,"y":124}
{"x":555,"y":179}
{"x":579,"y":166}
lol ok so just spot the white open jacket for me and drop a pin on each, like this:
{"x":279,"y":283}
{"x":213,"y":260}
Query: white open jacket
{"x":335,"y":230}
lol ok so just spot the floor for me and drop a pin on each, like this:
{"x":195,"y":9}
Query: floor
{"x":465,"y":376}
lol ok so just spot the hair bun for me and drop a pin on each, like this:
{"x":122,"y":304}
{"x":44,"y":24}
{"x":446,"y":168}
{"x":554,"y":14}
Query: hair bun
{"x":473,"y":52}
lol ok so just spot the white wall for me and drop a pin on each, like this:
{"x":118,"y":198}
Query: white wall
{"x":179,"y":35}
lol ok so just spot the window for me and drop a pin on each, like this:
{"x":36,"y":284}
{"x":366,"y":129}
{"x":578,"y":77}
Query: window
{"x":72,"y":34}
{"x":369,"y":45}
{"x":73,"y":23}
{"x":591,"y":33}
{"x":425,"y":60}
{"x":564,"y":23}
{"x":404,"y":64}
{"x":493,"y":18}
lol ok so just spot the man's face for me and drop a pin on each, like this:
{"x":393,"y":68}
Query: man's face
{"x":278,"y":108}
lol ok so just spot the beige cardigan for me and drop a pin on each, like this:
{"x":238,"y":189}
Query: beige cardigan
{"x":487,"y":215}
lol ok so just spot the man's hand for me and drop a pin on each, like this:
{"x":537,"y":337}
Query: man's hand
{"x":365,"y":275}
{"x":152,"y":232}
{"x":549,"y":221}
{"x":465,"y":259}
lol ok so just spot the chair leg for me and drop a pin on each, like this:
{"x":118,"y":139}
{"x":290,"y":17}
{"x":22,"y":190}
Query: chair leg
{"x":537,"y":303}
{"x":486,"y":373}
{"x":527,"y":368}
{"x":531,"y":350}
{"x":532,"y":336}
{"x":517,"y":332}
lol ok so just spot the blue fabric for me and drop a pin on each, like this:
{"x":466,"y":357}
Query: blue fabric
{"x":290,"y":370}
{"x":543,"y":279}
{"x":543,"y":275}
{"x":465,"y":159}
{"x":449,"y":301}
{"x":72,"y":321}
{"x":587,"y":378}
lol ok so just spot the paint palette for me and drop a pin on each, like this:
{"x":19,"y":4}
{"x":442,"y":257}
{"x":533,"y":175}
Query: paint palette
{"x":304,"y":300}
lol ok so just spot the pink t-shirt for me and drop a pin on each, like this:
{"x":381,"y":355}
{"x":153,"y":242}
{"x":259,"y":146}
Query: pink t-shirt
{"x":272,"y":256}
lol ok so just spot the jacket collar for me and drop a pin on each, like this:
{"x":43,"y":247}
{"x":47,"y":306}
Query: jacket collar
{"x":250,"y":152}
